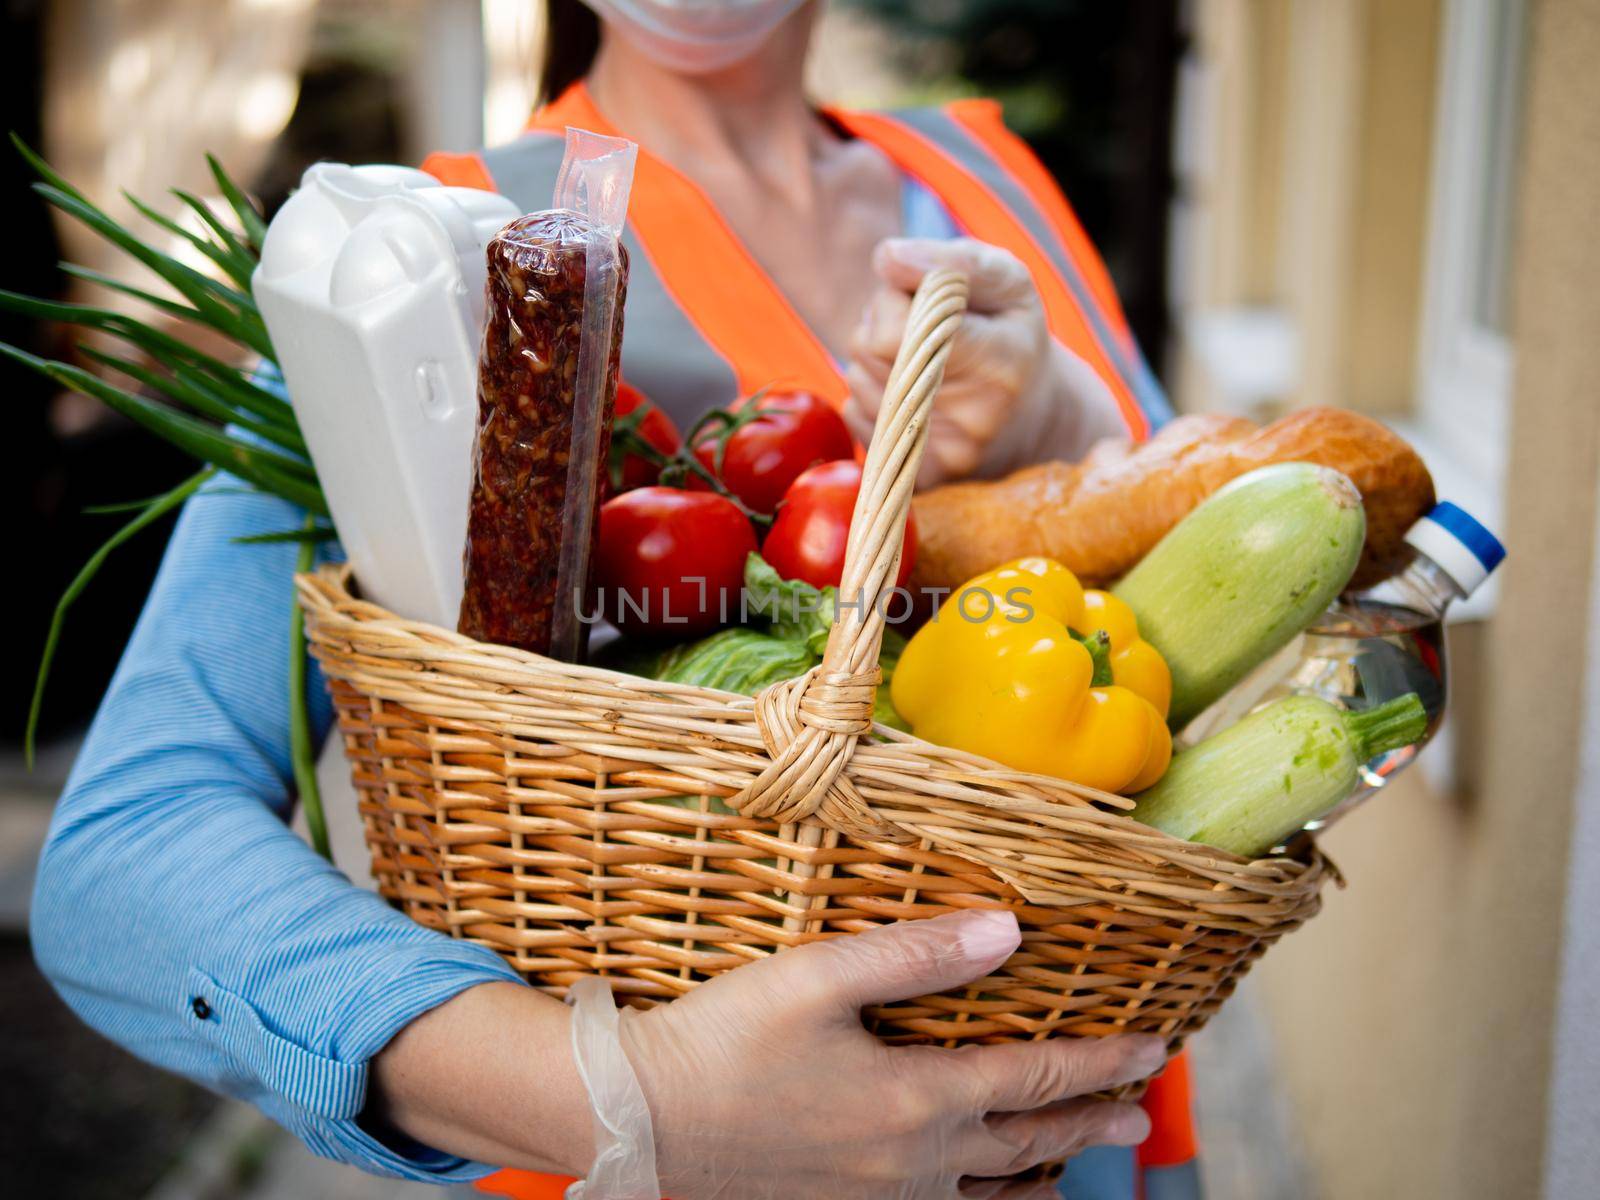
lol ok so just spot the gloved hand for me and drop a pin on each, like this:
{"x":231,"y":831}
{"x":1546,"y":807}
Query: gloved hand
{"x":1011,"y":394}
{"x":763,"y":1083}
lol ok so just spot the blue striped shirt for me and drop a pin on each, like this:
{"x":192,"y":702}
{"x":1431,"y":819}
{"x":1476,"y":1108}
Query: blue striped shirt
{"x":177,"y":913}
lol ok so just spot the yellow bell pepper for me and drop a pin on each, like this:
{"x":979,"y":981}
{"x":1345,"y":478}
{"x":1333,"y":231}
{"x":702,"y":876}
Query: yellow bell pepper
{"x":999,"y":672}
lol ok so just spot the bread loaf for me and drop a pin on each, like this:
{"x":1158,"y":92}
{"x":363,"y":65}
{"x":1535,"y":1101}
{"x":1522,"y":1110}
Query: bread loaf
{"x":1100,"y":516}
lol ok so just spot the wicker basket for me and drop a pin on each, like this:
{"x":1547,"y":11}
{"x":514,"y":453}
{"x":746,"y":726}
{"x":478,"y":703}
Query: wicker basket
{"x":580,"y":821}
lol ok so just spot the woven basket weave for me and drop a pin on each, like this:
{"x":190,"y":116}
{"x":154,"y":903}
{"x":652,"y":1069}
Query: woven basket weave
{"x":563,"y":816}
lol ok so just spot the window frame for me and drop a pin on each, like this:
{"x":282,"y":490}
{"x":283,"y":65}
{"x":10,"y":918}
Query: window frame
{"x":1466,"y":370}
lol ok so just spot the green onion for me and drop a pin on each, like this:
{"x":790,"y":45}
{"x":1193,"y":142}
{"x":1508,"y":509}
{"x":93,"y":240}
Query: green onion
{"x":152,"y":512}
{"x":313,"y":533}
{"x":271,"y":472}
{"x":208,"y":408}
{"x":255,"y":229}
{"x":300,"y":753}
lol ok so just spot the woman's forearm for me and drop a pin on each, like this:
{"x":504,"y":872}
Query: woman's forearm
{"x":488,"y":1075}
{"x":224,"y":948}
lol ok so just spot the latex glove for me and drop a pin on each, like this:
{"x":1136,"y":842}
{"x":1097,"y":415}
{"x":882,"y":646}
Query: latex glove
{"x":763,"y":1083}
{"x":1011,"y":394}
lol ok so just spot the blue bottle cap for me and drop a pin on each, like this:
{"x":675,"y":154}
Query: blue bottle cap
{"x":1455,"y":540}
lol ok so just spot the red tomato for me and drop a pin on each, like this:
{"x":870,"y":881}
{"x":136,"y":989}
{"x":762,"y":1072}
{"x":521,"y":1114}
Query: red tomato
{"x":671,"y":562}
{"x":807,"y":541}
{"x":760,"y":460}
{"x":629,"y":471}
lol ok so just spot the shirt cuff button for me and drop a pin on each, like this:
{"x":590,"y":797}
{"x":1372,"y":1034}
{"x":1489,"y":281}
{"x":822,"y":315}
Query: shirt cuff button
{"x":200,"y":1008}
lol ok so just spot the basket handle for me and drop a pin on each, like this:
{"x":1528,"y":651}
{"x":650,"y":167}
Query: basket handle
{"x":810,"y":724}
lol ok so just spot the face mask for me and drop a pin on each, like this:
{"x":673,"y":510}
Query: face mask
{"x":695,"y":36}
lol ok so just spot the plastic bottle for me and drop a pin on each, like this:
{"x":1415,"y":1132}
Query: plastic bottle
{"x":1374,"y":645}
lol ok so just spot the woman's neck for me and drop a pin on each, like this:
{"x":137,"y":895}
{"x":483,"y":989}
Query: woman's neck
{"x":750,"y":119}
{"x":775,"y":172}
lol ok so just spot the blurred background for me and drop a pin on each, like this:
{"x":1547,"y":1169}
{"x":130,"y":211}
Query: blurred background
{"x":1383,"y":204}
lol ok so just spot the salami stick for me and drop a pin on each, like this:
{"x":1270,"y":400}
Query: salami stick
{"x":527,"y":386}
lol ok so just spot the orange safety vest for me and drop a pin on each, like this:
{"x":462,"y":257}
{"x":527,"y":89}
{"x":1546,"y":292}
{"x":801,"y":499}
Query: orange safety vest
{"x":705,"y":324}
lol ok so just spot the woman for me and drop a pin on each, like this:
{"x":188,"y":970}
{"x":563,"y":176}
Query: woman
{"x":769,"y":241}
{"x":177,"y":913}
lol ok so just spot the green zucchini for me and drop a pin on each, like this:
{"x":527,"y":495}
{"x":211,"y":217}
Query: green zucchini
{"x":1252,"y":785}
{"x":1238,"y":577}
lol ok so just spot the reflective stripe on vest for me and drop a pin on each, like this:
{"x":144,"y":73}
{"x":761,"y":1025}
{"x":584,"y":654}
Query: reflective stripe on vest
{"x":974,"y":133}
{"x":706,"y":324}
{"x":990,"y":204}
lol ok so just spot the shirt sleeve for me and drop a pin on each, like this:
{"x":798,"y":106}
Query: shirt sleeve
{"x":176,"y":912}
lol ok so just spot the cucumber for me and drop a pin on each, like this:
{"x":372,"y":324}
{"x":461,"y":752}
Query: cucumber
{"x":1252,"y":785}
{"x":1238,"y":577}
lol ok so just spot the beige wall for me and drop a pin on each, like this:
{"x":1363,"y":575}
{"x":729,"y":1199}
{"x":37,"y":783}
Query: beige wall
{"x":1395,"y":133}
{"x":1520,"y":832}
{"x":1360,"y":1003}
{"x":1413,"y":1019}
{"x":1311,"y":196}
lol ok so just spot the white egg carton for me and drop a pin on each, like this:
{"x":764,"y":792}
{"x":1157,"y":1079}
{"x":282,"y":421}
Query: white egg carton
{"x":371,"y":285}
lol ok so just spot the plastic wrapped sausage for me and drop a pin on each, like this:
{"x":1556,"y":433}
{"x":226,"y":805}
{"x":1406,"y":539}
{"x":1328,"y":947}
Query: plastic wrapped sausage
{"x":547,"y":381}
